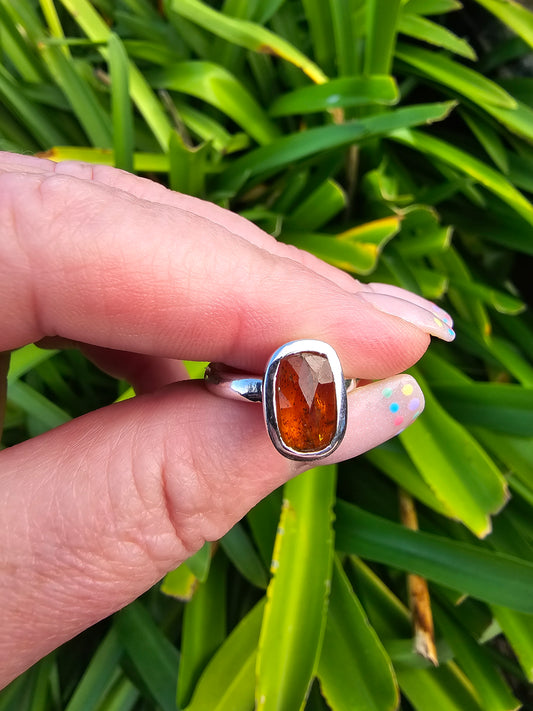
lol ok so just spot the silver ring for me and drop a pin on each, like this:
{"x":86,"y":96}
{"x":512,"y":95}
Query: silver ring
{"x":303,"y":392}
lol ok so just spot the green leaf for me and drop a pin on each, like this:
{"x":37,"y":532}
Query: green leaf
{"x":431,"y":7}
{"x":121,"y":108}
{"x":517,"y":17}
{"x":488,"y":685}
{"x":97,"y":30}
{"x":318,"y":16}
{"x":54,"y":24}
{"x":392,"y":459}
{"x":502,"y":301}
{"x":180,"y":583}
{"x":464,"y":162}
{"x":497,"y":406}
{"x":122,"y":697}
{"x":499,"y":579}
{"x":142,"y":162}
{"x":99,"y":676}
{"x":347,"y":55}
{"x":204,"y":629}
{"x":318,"y":208}
{"x":508,"y":355}
{"x":468,"y":304}
{"x":447,"y":687}
{"x":263,"y":520}
{"x":215,"y":85}
{"x":188,"y":166}
{"x":228,"y":681}
{"x":518,"y":629}
{"x":489,"y":139}
{"x":354,"y":671}
{"x":153,"y":656}
{"x":518,"y":120}
{"x":37,"y":405}
{"x":422,"y":29}
{"x":32,"y":116}
{"x":421,"y":233}
{"x":432,"y":284}
{"x":521,"y":172}
{"x":26,"y":358}
{"x":459,"y":472}
{"x":296,"y":146}
{"x":455,"y":76}
{"x":337,"y":93}
{"x":295,"y":613}
{"x":245,"y":34}
{"x":210,"y":130}
{"x":16,"y":46}
{"x":356,"y":250}
{"x":200,"y":562}
{"x":89,"y":112}
{"x":237,"y":545}
{"x":381,"y":27}
{"x":515,"y":452}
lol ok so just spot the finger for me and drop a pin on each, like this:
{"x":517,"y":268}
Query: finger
{"x":145,"y":189}
{"x":148,"y":481}
{"x":95,"y":264}
{"x":149,"y":190}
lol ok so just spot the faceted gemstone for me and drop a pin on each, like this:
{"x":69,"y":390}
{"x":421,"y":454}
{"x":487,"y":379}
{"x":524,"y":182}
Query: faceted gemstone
{"x":306,"y":403}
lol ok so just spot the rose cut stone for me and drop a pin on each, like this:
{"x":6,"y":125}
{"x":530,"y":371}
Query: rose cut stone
{"x":306,"y":403}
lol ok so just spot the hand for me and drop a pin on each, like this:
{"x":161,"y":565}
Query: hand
{"x":95,"y":512}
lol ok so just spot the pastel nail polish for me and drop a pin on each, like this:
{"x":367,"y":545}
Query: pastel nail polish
{"x":403,"y":403}
{"x":399,"y":293}
{"x":379,"y":411}
{"x":433,"y":320}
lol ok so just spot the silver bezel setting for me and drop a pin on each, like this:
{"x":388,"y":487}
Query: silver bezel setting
{"x":269,"y":397}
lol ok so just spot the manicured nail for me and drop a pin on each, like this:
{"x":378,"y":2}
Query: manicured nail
{"x":400,"y":293}
{"x":428,"y":320}
{"x":379,"y":411}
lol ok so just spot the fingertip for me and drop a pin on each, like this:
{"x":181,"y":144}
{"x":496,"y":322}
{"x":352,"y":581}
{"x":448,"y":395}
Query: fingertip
{"x":377,"y":412}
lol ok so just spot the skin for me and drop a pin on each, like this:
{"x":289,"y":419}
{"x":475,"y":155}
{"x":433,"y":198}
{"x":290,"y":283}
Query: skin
{"x":95,"y":512}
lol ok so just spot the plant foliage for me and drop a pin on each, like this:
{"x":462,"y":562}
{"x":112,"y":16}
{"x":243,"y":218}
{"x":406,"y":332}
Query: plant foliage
{"x":393,"y":138}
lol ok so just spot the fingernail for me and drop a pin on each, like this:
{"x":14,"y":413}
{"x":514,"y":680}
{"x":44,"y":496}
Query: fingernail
{"x":430,"y":321}
{"x":379,"y":411}
{"x":398,"y":292}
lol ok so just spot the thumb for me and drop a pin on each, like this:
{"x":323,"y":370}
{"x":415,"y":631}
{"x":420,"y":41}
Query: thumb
{"x":115,"y":499}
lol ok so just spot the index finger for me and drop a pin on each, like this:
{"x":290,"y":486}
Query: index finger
{"x":92,"y":262}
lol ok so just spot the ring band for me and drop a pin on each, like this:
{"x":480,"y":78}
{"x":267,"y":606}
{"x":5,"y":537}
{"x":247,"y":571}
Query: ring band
{"x":303,"y":392}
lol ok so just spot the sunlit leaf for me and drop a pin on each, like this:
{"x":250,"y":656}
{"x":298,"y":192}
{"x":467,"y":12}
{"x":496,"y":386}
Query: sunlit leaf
{"x":204,"y":629}
{"x":471,"y":493}
{"x":246,"y":34}
{"x":297,"y":597}
{"x":516,"y":16}
{"x":229,"y":679}
{"x":356,"y":250}
{"x":215,"y":85}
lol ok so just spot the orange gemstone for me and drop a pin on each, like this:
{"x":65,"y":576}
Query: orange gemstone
{"x":306,"y":403}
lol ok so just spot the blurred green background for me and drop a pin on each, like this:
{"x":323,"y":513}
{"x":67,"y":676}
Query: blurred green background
{"x":394,"y":139}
